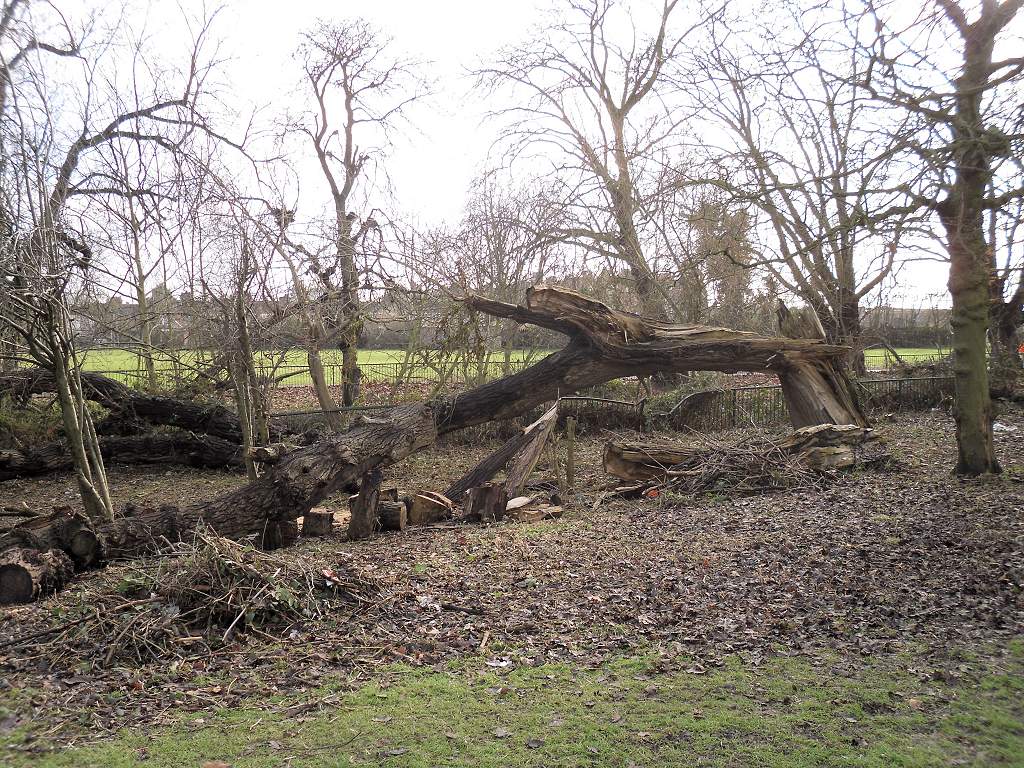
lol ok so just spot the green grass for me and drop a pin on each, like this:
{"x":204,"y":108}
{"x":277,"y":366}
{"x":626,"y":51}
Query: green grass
{"x":126,"y":360}
{"x":787,"y":713}
{"x":880,"y":358}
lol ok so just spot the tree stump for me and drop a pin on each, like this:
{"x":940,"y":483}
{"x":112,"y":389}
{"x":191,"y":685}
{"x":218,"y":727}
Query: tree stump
{"x":392,"y":515}
{"x":486,"y":502}
{"x":27,"y":574}
{"x":319,"y":521}
{"x":363,"y":507}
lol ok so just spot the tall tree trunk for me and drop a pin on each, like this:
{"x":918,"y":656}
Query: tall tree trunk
{"x":962,"y":215}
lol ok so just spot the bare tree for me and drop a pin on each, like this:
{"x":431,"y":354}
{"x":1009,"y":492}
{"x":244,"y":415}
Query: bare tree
{"x":50,"y":176}
{"x":798,"y":148}
{"x":955,"y":74}
{"x":360,"y":91}
{"x":591,"y":96}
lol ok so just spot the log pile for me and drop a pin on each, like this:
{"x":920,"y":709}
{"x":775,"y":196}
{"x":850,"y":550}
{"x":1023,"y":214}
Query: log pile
{"x":752,"y":465}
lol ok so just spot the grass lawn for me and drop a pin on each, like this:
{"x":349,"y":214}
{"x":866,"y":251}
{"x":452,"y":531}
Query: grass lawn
{"x":126,"y":360}
{"x":637,"y":711}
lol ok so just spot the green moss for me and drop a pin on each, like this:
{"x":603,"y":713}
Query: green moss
{"x":785,"y":712}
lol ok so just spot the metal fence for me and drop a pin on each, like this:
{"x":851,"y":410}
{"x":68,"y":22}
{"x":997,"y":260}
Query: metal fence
{"x":765,"y":406}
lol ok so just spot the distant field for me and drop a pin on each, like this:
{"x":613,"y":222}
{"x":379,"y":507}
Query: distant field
{"x":126,"y":360}
{"x":880,"y":358}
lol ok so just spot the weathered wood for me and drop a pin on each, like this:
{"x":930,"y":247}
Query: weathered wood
{"x":822,"y":447}
{"x":184,"y":448}
{"x":27,"y":574}
{"x":319,"y":521}
{"x":487,"y":468}
{"x":643,"y":460}
{"x":392,"y":515}
{"x":486,"y":502}
{"x":363,"y":507}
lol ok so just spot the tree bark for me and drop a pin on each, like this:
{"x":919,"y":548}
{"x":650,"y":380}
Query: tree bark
{"x":27,"y":574}
{"x":363,"y":507}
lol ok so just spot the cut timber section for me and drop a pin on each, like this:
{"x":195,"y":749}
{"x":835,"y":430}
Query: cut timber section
{"x":27,"y":574}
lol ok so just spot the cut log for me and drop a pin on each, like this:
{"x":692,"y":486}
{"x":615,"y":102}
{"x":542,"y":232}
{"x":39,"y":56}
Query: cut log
{"x":319,"y":521}
{"x":363,"y":507}
{"x":392,"y":515}
{"x":182,"y":448}
{"x":486,"y":502}
{"x":643,"y":461}
{"x":27,"y":574}
{"x":427,"y":507}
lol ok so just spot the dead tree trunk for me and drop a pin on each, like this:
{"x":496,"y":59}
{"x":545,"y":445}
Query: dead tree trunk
{"x":604,"y":344}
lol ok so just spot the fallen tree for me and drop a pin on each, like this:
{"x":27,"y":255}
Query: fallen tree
{"x":756,"y":464}
{"x":184,"y":448}
{"x":604,"y":344}
{"x":130,"y":406}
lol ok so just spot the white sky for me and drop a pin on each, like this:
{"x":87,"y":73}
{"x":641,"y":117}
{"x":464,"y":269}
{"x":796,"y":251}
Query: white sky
{"x":431,"y":166}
